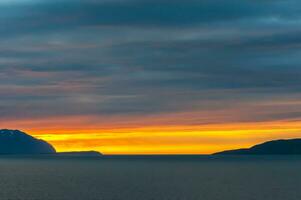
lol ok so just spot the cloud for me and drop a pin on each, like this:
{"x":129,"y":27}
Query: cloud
{"x":140,"y":58}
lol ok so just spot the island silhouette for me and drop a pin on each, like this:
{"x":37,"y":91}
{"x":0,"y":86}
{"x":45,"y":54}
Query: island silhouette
{"x":275,"y":147}
{"x":16,"y":142}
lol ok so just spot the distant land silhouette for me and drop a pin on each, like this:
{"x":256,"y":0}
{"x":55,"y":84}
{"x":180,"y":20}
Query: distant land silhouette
{"x":15,"y":142}
{"x":18,"y":142}
{"x":275,"y":147}
{"x":80,"y":153}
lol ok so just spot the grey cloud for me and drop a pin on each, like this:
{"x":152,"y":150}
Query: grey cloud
{"x":147,"y":57}
{"x":57,"y":15}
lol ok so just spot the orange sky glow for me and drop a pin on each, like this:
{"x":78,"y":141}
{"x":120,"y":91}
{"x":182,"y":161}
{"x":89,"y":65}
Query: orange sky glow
{"x":157,"y":138}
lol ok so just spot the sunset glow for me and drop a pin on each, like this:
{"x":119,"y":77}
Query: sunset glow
{"x":193,"y":139}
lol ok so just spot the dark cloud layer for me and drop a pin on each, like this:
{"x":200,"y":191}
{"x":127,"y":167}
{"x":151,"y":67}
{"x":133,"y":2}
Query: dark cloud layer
{"x":127,"y":57}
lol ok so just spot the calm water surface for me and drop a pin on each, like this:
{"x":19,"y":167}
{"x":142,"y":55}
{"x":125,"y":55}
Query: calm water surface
{"x":183,"y":178}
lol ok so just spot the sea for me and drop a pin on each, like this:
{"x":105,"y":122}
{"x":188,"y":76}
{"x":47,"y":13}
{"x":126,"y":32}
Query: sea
{"x":151,"y":178}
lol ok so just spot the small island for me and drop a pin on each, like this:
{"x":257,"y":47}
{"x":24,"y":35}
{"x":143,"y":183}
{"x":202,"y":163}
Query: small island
{"x":80,"y":153}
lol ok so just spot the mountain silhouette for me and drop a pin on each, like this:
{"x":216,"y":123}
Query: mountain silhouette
{"x":18,"y":142}
{"x":276,"y":147}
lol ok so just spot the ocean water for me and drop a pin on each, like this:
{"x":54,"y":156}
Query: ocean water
{"x":153,"y":178}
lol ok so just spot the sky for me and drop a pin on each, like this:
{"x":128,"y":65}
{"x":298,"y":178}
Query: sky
{"x":151,"y":77}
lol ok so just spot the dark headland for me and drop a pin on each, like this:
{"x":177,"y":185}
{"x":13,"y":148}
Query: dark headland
{"x":275,"y":147}
{"x":15,"y":142}
{"x":18,"y":142}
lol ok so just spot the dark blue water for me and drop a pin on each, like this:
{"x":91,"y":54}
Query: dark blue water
{"x":166,"y":178}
